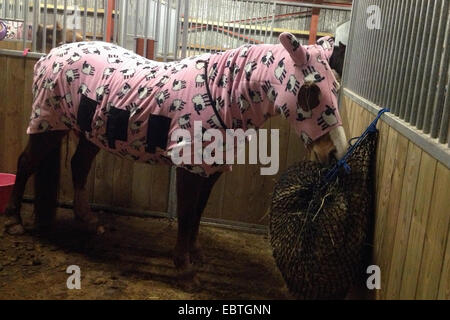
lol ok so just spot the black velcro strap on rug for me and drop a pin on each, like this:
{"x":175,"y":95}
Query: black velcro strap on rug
{"x":157,"y":132}
{"x":117,"y":126}
{"x":86,"y":112}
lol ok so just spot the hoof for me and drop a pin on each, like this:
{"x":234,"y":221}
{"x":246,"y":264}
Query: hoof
{"x":91,"y":224}
{"x":186,"y":273}
{"x":11,"y":221}
{"x":197,"y":257}
{"x":101,"y":230}
{"x":190,"y":285}
{"x":15,"y":229}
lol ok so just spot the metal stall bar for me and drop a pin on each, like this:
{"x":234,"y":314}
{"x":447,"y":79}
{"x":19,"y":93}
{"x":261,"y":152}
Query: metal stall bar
{"x":105,"y":20}
{"x":412,"y":35}
{"x":267,"y":22}
{"x":178,"y":31}
{"x":365,"y":45}
{"x":421,"y":64}
{"x":117,"y":7}
{"x":444,"y":132}
{"x":94,"y":36}
{"x":248,"y":22}
{"x":414,"y":75}
{"x":196,"y":21}
{"x":365,"y":53}
{"x":398,"y":50}
{"x":274,"y":12}
{"x":350,"y":44}
{"x":136,"y":20}
{"x":356,"y":41}
{"x":438,"y":113}
{"x":123,"y":23}
{"x":215,"y":27}
{"x":84,"y":19}
{"x":166,"y":32}
{"x":436,"y":70}
{"x":64,"y":39}
{"x":74,"y":20}
{"x":391,"y":51}
{"x":384,"y":74}
{"x":146,"y":24}
{"x":237,"y":24}
{"x":16,"y":6}
{"x":185,"y":29}
{"x":35,"y":24}
{"x":223,"y":26}
{"x":25,"y":24}
{"x":55,"y":9}
{"x":381,"y":79}
{"x":400,"y":61}
{"x":427,"y":75}
{"x":233,"y":35}
{"x":44,"y":28}
{"x":157,"y":23}
{"x":201,"y":35}
{"x":376,"y":63}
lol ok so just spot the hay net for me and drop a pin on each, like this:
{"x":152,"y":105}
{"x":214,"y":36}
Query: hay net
{"x":320,"y":222}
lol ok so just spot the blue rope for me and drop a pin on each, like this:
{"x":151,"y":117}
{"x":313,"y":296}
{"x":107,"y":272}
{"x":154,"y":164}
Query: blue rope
{"x":342,"y":163}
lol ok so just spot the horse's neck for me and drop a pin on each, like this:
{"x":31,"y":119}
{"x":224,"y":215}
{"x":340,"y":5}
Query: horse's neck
{"x":258,"y":112}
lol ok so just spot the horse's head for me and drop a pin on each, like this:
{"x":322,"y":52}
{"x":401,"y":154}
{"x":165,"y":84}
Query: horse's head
{"x":313,"y":108}
{"x":49,"y":36}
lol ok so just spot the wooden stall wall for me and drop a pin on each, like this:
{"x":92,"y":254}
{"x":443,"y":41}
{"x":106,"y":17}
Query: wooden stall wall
{"x":241,"y":196}
{"x":412,"y":243}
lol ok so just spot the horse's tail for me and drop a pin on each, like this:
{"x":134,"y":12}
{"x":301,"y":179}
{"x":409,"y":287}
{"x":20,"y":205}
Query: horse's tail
{"x":46,"y":186}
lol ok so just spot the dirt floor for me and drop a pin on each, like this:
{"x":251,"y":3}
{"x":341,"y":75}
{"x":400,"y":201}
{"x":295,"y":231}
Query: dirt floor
{"x":133,"y":260}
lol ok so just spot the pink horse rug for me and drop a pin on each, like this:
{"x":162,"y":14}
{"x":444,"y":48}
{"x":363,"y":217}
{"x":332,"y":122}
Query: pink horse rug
{"x":133,"y":107}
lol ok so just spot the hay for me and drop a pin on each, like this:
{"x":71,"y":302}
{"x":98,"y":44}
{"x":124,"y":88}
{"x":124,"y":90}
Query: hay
{"x":318,"y":235}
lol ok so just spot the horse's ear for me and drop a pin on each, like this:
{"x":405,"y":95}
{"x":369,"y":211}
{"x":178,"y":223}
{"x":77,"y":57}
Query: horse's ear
{"x":297,"y":52}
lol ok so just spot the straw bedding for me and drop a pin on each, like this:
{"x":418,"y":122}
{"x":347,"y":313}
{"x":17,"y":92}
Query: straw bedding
{"x":320,"y":236}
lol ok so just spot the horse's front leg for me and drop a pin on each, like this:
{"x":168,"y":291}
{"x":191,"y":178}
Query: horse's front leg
{"x":196,"y":254}
{"x":192,"y":195}
{"x":81,"y":165}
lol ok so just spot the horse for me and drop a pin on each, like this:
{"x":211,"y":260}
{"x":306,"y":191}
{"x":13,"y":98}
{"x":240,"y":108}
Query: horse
{"x":119,"y":101}
{"x":71,"y":36}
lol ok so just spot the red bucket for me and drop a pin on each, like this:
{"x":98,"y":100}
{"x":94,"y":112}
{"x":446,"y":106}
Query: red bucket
{"x":6,"y":186}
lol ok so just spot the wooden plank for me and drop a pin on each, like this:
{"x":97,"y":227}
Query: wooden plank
{"x":394,"y":191}
{"x":435,"y":236}
{"x":404,"y":220}
{"x":122,"y":182}
{"x":381,"y":155}
{"x":214,"y":207}
{"x":383,"y":200}
{"x":444,"y":285}
{"x":159,"y":191}
{"x":141,"y":186}
{"x":3,"y":81}
{"x":344,"y":113}
{"x":13,"y":109}
{"x":103,"y":184}
{"x":418,"y":226}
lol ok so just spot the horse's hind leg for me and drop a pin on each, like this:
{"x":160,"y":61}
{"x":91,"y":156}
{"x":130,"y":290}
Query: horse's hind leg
{"x":188,"y":189}
{"x":39,"y":147}
{"x":81,"y":165}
